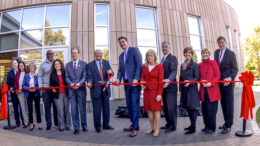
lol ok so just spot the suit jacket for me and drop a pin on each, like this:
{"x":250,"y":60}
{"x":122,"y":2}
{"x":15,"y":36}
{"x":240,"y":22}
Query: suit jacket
{"x":80,"y":77}
{"x":54,"y":81}
{"x":228,"y":65}
{"x":190,"y":95}
{"x":94,"y":78}
{"x":10,"y":79}
{"x":209,"y":71}
{"x":170,"y":71}
{"x":26,"y":84}
{"x":133,"y":65}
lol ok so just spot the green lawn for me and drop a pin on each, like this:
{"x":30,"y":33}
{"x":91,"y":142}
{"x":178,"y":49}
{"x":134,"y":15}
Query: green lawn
{"x":258,"y":117}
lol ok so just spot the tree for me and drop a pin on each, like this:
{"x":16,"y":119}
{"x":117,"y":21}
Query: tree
{"x":106,"y":54}
{"x":252,"y":52}
{"x":52,"y":37}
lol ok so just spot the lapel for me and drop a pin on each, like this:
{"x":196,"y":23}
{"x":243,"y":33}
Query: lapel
{"x":166,"y":59}
{"x":103,"y":68}
{"x":96,"y":68}
{"x":217,"y":55}
{"x":127,"y":55}
{"x":224,"y":57}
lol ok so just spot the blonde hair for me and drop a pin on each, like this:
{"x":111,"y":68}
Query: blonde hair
{"x":205,"y":50}
{"x":34,"y":65}
{"x":151,"y":52}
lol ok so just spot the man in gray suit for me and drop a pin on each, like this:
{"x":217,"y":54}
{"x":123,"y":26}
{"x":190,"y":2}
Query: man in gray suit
{"x":98,"y":71}
{"x":76,"y":76}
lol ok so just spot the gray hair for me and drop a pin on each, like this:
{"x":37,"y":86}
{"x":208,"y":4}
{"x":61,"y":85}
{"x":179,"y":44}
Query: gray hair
{"x":76,"y":47}
{"x":32,"y":63}
{"x":166,"y":43}
{"x":98,"y":50}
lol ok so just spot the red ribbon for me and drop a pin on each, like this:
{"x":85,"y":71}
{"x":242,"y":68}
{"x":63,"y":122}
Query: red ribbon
{"x":3,"y":113}
{"x":248,"y":98}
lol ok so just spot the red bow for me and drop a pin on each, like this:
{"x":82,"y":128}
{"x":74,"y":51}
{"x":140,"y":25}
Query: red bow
{"x":3,"y":113}
{"x":248,"y":98}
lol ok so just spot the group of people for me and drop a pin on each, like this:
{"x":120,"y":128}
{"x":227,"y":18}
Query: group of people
{"x":77,"y":74}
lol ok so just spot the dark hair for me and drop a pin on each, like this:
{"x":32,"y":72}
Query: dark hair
{"x":14,"y":59}
{"x":122,"y":37}
{"x":221,"y":38}
{"x":187,"y":49}
{"x":76,"y":47}
{"x":25,"y":68}
{"x":61,"y":64}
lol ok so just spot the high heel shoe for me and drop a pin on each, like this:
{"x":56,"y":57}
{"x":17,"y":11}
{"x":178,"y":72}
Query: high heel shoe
{"x":156,"y":133}
{"x":149,"y":131}
{"x":31,"y":128}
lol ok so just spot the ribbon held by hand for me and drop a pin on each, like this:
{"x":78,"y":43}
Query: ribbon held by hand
{"x":3,"y":113}
{"x":248,"y":98}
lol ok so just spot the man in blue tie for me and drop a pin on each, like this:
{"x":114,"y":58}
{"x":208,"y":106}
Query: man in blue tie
{"x":130,"y":68}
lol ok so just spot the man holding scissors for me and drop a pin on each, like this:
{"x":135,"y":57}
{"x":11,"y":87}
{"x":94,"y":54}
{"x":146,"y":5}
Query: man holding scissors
{"x":99,"y":72}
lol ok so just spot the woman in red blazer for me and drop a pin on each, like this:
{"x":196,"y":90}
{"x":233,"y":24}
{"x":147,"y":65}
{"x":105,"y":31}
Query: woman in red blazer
{"x":152,"y":72}
{"x":209,"y":92}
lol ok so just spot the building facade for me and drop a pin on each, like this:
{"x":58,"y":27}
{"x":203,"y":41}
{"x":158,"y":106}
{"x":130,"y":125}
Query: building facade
{"x":28,"y":28}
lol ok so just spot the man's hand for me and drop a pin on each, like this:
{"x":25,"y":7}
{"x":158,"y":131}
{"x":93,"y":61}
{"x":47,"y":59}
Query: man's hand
{"x":54,"y":91}
{"x":165,"y":85}
{"x":117,"y":82}
{"x":143,"y":86}
{"x":77,"y":86}
{"x":89,"y":85}
{"x":42,"y":90}
{"x":187,"y":84}
{"x":31,"y":90}
{"x":110,"y":72}
{"x":135,"y":81}
{"x":12,"y":89}
{"x":227,"y":83}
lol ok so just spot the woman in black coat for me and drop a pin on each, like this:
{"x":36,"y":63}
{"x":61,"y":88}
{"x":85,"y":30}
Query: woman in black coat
{"x":57,"y":78}
{"x":190,"y":98}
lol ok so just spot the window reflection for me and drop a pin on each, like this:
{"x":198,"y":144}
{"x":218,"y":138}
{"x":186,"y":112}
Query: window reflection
{"x":56,"y":37}
{"x":194,"y":25}
{"x":57,"y":16}
{"x":11,"y":21}
{"x":5,"y":64}
{"x":9,"y":41}
{"x":32,"y":55}
{"x":229,"y":39}
{"x":101,"y":15}
{"x":144,"y":18}
{"x":31,"y":39}
{"x":146,"y":37}
{"x":101,"y":36}
{"x":33,"y":18}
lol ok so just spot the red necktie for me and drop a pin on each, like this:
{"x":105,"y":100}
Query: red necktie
{"x":101,"y":71}
{"x":75,"y":68}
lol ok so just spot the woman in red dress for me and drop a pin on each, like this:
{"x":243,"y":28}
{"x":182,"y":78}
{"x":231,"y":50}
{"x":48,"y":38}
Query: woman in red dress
{"x":209,"y":92}
{"x":152,"y":72}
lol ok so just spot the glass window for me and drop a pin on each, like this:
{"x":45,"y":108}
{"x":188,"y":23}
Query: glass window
{"x":31,"y":39}
{"x":11,"y":21}
{"x":57,"y":16}
{"x":146,"y":30}
{"x":238,"y":47}
{"x":102,"y":29}
{"x":56,"y":37}
{"x":5,"y":64}
{"x":229,"y":39}
{"x":9,"y":41}
{"x":33,"y":18}
{"x":32,"y":55}
{"x":196,"y":37}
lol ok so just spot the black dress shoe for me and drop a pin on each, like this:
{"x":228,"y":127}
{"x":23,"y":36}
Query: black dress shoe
{"x":225,"y":130}
{"x":187,"y":128}
{"x":48,"y":128}
{"x":204,"y":129}
{"x":190,"y":132}
{"x":222,"y":127}
{"x":85,"y":129}
{"x":164,"y":127}
{"x":209,"y":131}
{"x":98,"y":130}
{"x":61,"y":129}
{"x":108,"y":128}
{"x":67,"y":128}
{"x":169,"y":130}
{"x":76,"y":132}
{"x":40,"y":128}
{"x":17,"y":125}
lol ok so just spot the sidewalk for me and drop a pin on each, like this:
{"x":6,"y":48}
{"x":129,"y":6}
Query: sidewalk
{"x":22,"y":136}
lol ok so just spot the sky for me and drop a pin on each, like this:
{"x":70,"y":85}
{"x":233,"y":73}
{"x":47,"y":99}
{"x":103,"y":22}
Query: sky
{"x":248,"y":12}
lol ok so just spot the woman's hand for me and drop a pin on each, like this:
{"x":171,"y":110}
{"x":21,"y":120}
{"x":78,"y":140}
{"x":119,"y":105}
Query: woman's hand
{"x":54,"y":91}
{"x":187,"y":84}
{"x":143,"y":86}
{"x":158,"y":98}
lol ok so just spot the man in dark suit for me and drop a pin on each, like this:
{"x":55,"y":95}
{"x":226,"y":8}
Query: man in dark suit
{"x":170,"y":64}
{"x":130,"y":68}
{"x":75,"y":76}
{"x":98,"y":71}
{"x":228,"y":68}
{"x":10,"y":82}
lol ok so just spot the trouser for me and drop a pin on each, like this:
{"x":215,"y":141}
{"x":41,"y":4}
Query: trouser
{"x":78,"y":104}
{"x":24,"y":108}
{"x":36,"y":100}
{"x":209,"y":111}
{"x":17,"y":111}
{"x":48,"y":102}
{"x":227,"y":103}
{"x":170,"y":109}
{"x":101,"y":104}
{"x":133,"y":103}
{"x":62,"y":105}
